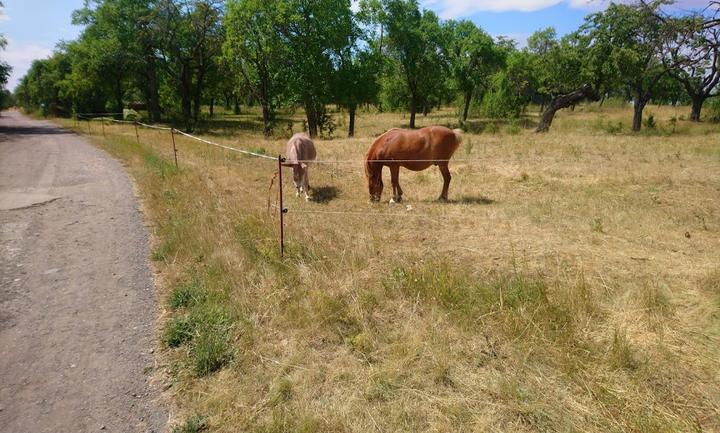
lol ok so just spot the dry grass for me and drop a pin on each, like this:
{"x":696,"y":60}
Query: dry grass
{"x":571,"y":284}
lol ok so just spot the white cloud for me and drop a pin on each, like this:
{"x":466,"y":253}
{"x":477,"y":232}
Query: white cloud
{"x":463,"y":8}
{"x":20,"y":56}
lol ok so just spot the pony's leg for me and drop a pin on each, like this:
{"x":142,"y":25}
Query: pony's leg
{"x":297,"y":179}
{"x":306,"y":184}
{"x":395,"y":179}
{"x":445,"y":171}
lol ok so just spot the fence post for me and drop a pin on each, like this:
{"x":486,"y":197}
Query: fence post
{"x":283,"y":211}
{"x":137,"y":135}
{"x":102,"y":122}
{"x":172,"y":133}
{"x":89,"y":132}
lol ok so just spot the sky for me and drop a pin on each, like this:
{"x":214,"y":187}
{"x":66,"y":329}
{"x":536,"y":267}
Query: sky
{"x":34,"y":27}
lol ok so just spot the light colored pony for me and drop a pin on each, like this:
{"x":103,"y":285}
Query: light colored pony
{"x":300,"y":151}
{"x":414,"y":149}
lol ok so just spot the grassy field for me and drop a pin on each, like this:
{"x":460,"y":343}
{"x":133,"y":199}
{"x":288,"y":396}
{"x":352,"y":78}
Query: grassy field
{"x":571,"y":284}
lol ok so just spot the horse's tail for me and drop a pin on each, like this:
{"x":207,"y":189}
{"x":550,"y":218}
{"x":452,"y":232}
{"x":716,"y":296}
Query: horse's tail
{"x":458,"y":135}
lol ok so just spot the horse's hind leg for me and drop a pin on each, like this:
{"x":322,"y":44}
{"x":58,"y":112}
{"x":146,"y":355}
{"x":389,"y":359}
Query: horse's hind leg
{"x":395,"y":179}
{"x":445,"y":171}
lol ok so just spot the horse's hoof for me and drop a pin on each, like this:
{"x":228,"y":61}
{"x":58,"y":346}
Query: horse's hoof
{"x":442,"y":199}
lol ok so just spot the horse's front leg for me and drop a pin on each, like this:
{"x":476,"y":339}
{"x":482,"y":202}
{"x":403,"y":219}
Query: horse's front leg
{"x":395,"y":179}
{"x":306,"y":184}
{"x":445,"y":171}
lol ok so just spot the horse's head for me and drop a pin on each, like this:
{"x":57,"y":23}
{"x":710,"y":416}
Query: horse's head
{"x":373,"y":172}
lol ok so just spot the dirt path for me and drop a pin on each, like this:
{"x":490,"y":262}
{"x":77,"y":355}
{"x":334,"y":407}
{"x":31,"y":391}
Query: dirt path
{"x":77,"y":302}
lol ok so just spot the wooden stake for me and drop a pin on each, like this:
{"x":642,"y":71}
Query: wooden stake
{"x":137,"y":134}
{"x":172,"y":133}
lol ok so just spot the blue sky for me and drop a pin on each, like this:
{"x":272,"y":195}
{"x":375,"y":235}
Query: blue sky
{"x":34,"y":27}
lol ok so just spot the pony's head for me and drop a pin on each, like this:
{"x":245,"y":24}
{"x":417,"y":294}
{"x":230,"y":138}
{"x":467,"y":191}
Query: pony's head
{"x":373,"y":172}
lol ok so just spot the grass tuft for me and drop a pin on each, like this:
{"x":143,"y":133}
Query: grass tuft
{"x":194,"y":424}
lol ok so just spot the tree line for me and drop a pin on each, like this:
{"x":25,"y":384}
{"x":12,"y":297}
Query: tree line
{"x":174,"y":57}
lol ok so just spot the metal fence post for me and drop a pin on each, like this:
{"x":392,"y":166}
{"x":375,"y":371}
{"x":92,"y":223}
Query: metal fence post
{"x":283,"y":211}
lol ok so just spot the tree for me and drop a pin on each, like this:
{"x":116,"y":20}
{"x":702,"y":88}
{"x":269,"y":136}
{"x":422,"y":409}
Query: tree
{"x":45,"y":84}
{"x":356,"y":80}
{"x":254,"y":50}
{"x":696,"y":49}
{"x":5,"y":69}
{"x":117,"y":49}
{"x":473,"y":57}
{"x":637,"y":38}
{"x":415,"y":45}
{"x":314,"y":33}
{"x":568,"y":70}
{"x":511,"y":87}
{"x":190,"y":35}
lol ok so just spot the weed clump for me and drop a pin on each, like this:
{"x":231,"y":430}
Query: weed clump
{"x":194,"y":424}
{"x":187,"y":295}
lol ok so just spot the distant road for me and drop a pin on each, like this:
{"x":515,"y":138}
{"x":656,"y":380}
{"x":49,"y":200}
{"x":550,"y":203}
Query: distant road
{"x":77,"y":301}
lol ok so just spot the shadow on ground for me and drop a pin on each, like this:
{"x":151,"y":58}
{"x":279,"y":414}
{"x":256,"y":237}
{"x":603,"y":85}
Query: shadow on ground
{"x":324,"y":194}
{"x":472,"y":199}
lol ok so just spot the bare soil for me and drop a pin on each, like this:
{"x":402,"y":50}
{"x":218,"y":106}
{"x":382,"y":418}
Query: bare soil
{"x":77,"y":300}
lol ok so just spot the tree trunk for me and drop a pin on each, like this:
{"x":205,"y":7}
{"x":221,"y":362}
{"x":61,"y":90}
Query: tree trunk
{"x":413,"y":109}
{"x":697,"y":103}
{"x":312,"y":119}
{"x":267,"y":127}
{"x":560,"y":102}
{"x":197,"y":104}
{"x":466,"y":108}
{"x":119,"y":98}
{"x":152,"y":95}
{"x":638,"y":107}
{"x":351,"y":127}
{"x":186,"y":101}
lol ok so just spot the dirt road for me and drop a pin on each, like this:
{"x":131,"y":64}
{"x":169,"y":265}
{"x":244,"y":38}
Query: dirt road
{"x":77,"y":301}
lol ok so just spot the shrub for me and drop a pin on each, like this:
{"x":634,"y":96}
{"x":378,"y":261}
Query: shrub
{"x":713,"y":110}
{"x":650,"y":122}
{"x":513,"y":128}
{"x":501,"y":100}
{"x":491,"y":128}
{"x":194,"y":424}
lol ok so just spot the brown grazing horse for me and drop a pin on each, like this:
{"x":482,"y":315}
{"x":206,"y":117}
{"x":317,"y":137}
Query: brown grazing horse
{"x":414,"y":149}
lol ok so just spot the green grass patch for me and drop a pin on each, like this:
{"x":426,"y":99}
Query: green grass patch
{"x":187,"y":295}
{"x":194,"y":424}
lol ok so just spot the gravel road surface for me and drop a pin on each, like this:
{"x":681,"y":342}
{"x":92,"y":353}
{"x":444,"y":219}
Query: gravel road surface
{"x":77,"y":301}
